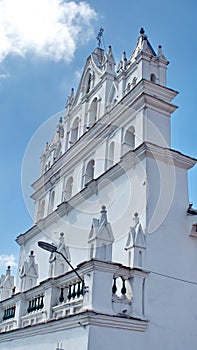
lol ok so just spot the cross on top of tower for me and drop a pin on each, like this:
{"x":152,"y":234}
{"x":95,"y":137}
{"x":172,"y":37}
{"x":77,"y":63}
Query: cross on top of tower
{"x":99,"y":36}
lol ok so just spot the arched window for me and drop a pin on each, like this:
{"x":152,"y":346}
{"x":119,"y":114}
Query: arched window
{"x":153,"y":78}
{"x":67,"y":191}
{"x":128,"y":87}
{"x":93,"y":112}
{"x":88,"y":84}
{"x":129,"y":138}
{"x":134,"y":81}
{"x":51,"y":201}
{"x":89,"y":172}
{"x":74,"y":131}
{"x":111,"y":155}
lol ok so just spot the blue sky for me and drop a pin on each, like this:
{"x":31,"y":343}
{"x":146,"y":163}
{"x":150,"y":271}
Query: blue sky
{"x":44,"y":45}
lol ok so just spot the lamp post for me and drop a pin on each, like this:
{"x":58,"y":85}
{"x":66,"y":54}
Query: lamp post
{"x":53,"y":249}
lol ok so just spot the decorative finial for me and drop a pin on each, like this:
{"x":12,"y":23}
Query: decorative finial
{"x":142,"y":31}
{"x":103,"y":219}
{"x":159,"y":51}
{"x":136,"y":219}
{"x":8,"y":271}
{"x":99,"y":36}
{"x":31,"y":257}
{"x":60,"y":128}
{"x":109,"y":50}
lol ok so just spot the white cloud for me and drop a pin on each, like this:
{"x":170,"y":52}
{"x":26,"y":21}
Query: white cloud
{"x":4,"y":76}
{"x":50,"y":28}
{"x":7,"y":260}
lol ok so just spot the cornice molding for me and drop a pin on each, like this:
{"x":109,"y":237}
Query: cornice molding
{"x":83,"y":319}
{"x":130,"y":159}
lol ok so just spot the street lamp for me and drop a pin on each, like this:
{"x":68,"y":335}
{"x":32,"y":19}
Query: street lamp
{"x":53,"y":249}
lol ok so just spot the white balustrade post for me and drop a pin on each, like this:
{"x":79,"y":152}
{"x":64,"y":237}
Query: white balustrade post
{"x":138,"y":290}
{"x":21,"y":308}
{"x":98,"y":285}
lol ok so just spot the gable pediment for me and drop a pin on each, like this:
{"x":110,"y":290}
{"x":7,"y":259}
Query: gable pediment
{"x":136,"y":238}
{"x":90,"y":77}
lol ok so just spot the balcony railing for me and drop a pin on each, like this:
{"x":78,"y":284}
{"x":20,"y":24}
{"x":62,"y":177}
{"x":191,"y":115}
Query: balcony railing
{"x":36,"y":303}
{"x":9,"y":313}
{"x":66,"y":295}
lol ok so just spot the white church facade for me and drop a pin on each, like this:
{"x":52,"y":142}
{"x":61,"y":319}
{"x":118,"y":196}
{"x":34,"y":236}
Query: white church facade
{"x":112,"y":199}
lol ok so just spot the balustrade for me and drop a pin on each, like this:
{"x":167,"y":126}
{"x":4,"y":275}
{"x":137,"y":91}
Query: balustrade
{"x":70,"y":299}
{"x":36,"y":303}
{"x":66,"y":295}
{"x":122,"y":294}
{"x":71,"y":292}
{"x":9,"y":313}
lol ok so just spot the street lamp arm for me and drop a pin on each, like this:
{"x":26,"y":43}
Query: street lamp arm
{"x":53,"y":249}
{"x":68,"y":262}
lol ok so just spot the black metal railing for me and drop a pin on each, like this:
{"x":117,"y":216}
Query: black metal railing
{"x":36,"y":303}
{"x":9,"y":313}
{"x":73,"y":291}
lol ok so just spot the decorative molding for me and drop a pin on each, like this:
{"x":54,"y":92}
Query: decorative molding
{"x":128,"y":160}
{"x":83,"y":319}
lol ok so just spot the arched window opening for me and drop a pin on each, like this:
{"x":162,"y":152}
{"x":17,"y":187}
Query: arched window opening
{"x":134,"y":81}
{"x":89,"y":173}
{"x":45,"y":169}
{"x":88,"y":83}
{"x":111,"y":154}
{"x":93,"y":112}
{"x":153,"y":78}
{"x":74,"y":131}
{"x":128,"y":87}
{"x":51,"y":201}
{"x":129,"y":138}
{"x":67,"y":191}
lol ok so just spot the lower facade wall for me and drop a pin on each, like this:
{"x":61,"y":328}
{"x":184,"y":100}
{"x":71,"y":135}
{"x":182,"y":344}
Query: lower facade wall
{"x":72,"y":339}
